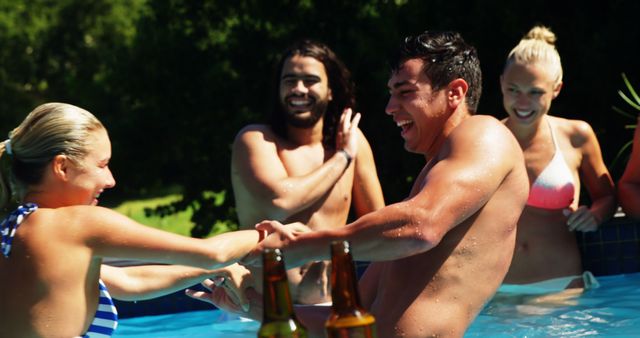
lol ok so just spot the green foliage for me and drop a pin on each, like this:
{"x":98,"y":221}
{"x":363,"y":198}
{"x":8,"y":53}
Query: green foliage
{"x":213,"y":76}
{"x":172,"y":221}
{"x":634,"y":102}
{"x":177,"y":222}
{"x":174,"y":80}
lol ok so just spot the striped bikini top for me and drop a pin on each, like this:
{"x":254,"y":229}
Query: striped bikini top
{"x":554,"y":187}
{"x":105,"y":320}
{"x":10,"y":224}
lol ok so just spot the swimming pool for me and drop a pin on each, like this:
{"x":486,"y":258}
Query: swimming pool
{"x":611,"y":310}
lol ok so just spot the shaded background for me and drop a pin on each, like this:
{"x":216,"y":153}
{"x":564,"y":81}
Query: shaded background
{"x":174,"y":80}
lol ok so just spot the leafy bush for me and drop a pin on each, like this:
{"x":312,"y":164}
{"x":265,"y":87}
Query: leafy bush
{"x":174,"y":80}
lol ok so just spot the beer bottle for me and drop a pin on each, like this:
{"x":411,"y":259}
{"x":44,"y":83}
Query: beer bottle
{"x":279,"y":320}
{"x":348,"y":318}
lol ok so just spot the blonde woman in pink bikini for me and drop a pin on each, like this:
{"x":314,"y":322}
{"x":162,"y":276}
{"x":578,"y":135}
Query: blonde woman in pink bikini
{"x":559,"y":155}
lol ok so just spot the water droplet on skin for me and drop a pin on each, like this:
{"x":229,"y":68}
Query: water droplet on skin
{"x":288,"y":187}
{"x":399,"y":333}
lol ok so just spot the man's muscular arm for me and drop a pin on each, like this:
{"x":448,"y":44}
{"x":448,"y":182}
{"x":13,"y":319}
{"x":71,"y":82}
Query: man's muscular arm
{"x":257,"y":167}
{"x":479,"y":157}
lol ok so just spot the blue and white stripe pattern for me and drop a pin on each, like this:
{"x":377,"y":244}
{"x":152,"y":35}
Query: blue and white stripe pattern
{"x":106,"y":318}
{"x":10,"y":224}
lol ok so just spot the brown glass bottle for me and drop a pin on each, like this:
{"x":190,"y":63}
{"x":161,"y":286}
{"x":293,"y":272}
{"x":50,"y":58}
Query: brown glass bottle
{"x":279,"y":320}
{"x":348,"y":318}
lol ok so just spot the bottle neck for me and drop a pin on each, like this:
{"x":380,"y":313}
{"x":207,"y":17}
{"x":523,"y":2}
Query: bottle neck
{"x":278,"y":304}
{"x":344,"y":283}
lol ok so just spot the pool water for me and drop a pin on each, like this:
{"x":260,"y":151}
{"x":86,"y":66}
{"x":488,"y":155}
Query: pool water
{"x":611,"y":310}
{"x":207,"y":323}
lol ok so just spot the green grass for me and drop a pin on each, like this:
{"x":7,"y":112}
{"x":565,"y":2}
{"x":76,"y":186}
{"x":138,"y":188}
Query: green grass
{"x":178,"y":223}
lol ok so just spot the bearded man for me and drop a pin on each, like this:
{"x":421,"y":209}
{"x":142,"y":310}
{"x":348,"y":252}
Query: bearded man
{"x":311,"y":162}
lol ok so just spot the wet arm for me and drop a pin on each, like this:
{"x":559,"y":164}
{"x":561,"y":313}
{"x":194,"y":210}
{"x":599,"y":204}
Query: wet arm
{"x":110,"y":234}
{"x":454,"y":189}
{"x":150,"y":281}
{"x":256,"y":165}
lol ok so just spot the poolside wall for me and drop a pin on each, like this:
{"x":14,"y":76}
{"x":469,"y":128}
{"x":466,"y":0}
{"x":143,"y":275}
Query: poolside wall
{"x":613,"y":249}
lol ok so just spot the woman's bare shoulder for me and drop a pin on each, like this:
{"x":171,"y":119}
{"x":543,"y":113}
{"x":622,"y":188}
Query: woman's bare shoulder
{"x":579,"y":132}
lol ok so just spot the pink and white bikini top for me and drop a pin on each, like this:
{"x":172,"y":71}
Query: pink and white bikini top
{"x":554,"y":187}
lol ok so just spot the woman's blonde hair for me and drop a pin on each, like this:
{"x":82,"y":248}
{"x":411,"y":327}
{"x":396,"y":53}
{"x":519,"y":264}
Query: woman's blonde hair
{"x":538,"y":46}
{"x":50,"y":129}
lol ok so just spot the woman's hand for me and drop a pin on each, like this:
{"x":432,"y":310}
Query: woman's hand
{"x":280,"y":235}
{"x":228,"y":287}
{"x":219,"y":297}
{"x":581,"y":219}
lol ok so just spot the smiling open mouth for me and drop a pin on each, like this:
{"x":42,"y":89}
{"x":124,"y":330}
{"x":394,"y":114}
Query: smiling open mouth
{"x":404,"y":124}
{"x":524,"y":113}
{"x":299,"y":103}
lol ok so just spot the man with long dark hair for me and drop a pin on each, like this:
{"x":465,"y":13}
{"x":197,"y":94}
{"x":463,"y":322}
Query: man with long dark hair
{"x":311,"y":162}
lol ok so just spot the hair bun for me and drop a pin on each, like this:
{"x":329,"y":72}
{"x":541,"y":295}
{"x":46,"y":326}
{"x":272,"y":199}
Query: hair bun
{"x":541,"y":33}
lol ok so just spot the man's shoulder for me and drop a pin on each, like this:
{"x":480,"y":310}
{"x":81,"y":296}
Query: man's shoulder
{"x":481,"y":118}
{"x":484,"y":131}
{"x":481,"y":124}
{"x":256,"y":128}
{"x":255,"y":132}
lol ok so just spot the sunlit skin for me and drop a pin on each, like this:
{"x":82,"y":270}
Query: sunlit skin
{"x":527,"y":92}
{"x":92,"y":176}
{"x":83,"y":181}
{"x":297,"y":178}
{"x":49,"y":284}
{"x":411,"y":95}
{"x":545,"y":235}
{"x":441,"y":253}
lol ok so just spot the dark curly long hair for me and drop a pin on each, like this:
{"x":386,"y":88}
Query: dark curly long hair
{"x":447,"y":57}
{"x":340,"y":83}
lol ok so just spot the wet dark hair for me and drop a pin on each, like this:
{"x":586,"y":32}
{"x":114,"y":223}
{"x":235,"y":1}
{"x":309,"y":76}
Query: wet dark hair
{"x":447,"y":57}
{"x":340,"y":83}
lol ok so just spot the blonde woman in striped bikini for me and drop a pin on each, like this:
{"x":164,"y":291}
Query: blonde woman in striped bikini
{"x":55,"y":165}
